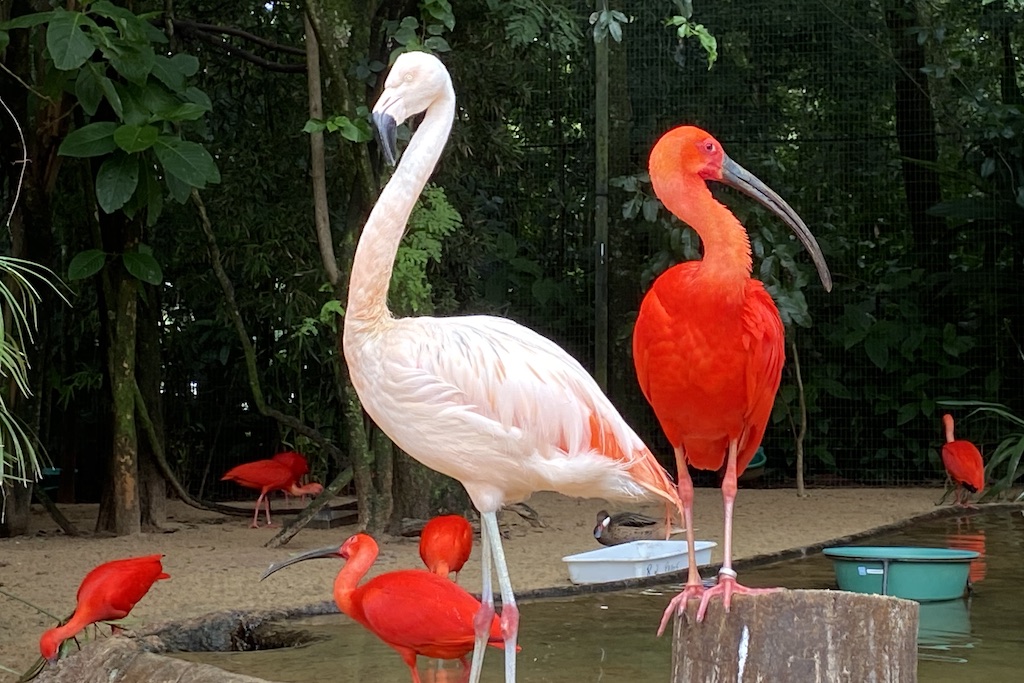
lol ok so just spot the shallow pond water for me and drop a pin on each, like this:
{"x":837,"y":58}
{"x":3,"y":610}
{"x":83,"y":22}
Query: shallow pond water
{"x":610,"y":636}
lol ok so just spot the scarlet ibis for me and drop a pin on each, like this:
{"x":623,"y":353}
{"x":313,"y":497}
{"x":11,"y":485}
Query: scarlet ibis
{"x":623,"y":527}
{"x":481,"y":399}
{"x":298,"y":464}
{"x":108,"y":592}
{"x":415,"y":612}
{"x":445,"y":544}
{"x":963,"y":463}
{"x":708,"y":342}
{"x":266,"y":476}
{"x":295,"y":461}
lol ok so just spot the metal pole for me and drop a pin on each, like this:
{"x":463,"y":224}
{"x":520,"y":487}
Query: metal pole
{"x":601,"y":211}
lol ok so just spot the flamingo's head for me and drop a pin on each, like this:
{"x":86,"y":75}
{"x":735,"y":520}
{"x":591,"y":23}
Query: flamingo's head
{"x":415,"y":81}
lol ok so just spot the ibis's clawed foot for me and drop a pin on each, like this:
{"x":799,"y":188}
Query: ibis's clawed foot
{"x":678,"y":603}
{"x":727,"y":586}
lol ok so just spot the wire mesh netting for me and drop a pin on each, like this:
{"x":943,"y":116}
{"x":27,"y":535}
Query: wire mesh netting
{"x":824,"y":101}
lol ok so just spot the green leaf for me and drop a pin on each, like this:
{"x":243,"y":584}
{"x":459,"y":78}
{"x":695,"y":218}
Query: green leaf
{"x":180,"y":190}
{"x":186,"y":111}
{"x":135,"y":138}
{"x":186,"y":64}
{"x":437,"y":44}
{"x":92,"y":140}
{"x":877,"y":350}
{"x":67,"y":43}
{"x":168,"y":73}
{"x":86,"y":264}
{"x":193,"y":94}
{"x":88,"y":90}
{"x":155,"y":102}
{"x":113,"y":98}
{"x":27,"y":20}
{"x":5,"y":40}
{"x":134,"y":63}
{"x":116,"y":181}
{"x":154,"y":196}
{"x":187,"y":161}
{"x":907,"y":413}
{"x":143,"y":266}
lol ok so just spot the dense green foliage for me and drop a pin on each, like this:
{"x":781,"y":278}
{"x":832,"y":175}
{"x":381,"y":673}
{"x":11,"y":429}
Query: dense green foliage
{"x":802,"y":95}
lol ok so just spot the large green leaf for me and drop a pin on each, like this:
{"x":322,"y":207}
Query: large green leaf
{"x":68,"y":44}
{"x":88,"y":90}
{"x":116,"y":181}
{"x":135,"y":138}
{"x":158,"y":101}
{"x":133,"y":62}
{"x":187,"y":161}
{"x":27,"y":20}
{"x":92,"y":140}
{"x":180,"y":190}
{"x":143,"y":266}
{"x":168,"y":73}
{"x":186,"y":111}
{"x":86,"y":264}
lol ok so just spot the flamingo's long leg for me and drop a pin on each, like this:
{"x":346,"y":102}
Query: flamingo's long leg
{"x":509,"y":609}
{"x":482,"y":621}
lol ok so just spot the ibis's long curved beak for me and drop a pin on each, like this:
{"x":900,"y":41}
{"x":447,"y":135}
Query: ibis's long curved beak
{"x":329,"y":551}
{"x":743,"y":180}
{"x":386,"y":131}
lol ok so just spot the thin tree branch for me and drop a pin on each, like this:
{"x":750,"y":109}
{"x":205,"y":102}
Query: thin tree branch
{"x":23,"y":161}
{"x":318,"y":167}
{"x":302,"y":519}
{"x":802,"y":431}
{"x":247,"y":347}
{"x":63,"y":522}
{"x":195,"y":26}
{"x":228,"y":48}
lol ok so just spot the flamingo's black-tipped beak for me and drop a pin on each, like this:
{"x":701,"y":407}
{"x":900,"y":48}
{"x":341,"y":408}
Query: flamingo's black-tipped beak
{"x":386,"y":131}
{"x":746,"y":182}
{"x":329,"y":551}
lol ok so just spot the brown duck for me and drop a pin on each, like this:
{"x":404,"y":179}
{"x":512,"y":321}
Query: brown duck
{"x":623,"y":527}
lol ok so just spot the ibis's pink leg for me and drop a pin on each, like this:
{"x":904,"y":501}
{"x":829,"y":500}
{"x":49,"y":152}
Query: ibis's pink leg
{"x":256,"y":513}
{"x":694,"y":587}
{"x":727,"y":584}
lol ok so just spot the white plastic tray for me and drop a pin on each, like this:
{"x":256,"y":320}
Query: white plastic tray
{"x":634,"y":560}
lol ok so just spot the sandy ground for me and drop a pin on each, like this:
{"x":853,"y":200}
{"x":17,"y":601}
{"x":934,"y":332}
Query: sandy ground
{"x":215,"y":561}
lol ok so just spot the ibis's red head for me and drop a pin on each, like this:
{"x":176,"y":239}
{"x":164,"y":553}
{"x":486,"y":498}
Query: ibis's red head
{"x":689,"y":152}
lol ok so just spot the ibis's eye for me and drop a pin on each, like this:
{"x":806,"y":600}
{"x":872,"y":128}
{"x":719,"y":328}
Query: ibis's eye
{"x":709,"y":146}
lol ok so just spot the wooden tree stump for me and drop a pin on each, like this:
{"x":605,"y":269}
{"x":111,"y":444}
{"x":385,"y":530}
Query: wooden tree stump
{"x":809,"y":636}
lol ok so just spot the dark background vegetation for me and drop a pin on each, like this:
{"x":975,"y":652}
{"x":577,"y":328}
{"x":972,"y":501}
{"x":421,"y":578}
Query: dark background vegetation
{"x":893,"y":127}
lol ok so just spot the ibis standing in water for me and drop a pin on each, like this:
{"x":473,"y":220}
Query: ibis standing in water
{"x":481,"y":399}
{"x":708,"y":344}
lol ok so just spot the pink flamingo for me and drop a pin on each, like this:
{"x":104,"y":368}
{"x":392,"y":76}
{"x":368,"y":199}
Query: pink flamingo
{"x":481,"y":399}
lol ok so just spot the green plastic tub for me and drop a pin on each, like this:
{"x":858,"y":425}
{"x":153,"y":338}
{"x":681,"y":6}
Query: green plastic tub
{"x":915,"y":573}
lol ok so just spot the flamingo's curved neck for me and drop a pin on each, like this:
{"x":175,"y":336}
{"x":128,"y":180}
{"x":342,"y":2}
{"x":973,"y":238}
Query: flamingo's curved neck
{"x":726,"y":244}
{"x":378,"y":244}
{"x":348,"y":578}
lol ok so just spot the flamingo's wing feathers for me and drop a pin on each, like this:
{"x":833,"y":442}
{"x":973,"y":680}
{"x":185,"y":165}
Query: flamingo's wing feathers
{"x":509,"y":390}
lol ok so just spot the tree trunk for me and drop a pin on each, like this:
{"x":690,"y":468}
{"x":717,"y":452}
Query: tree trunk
{"x":152,"y":487}
{"x":120,"y":511}
{"x":16,"y":502}
{"x":915,"y":122}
